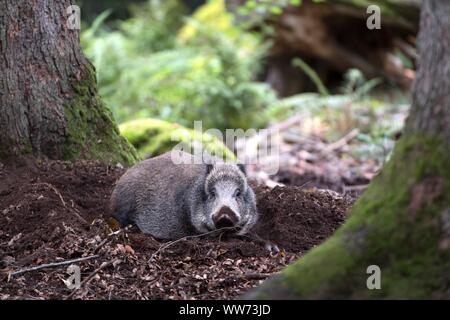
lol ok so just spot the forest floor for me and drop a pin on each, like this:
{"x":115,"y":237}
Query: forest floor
{"x":54,"y":212}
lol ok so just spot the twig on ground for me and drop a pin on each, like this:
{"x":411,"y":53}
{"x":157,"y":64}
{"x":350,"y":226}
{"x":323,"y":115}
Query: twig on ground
{"x":108,"y":237}
{"x":263,"y":178}
{"x":355,"y":188}
{"x":249,"y":276}
{"x":168,"y":244}
{"x":255,"y":276}
{"x":77,"y":214}
{"x":249,"y":145}
{"x":341,"y":142}
{"x":62,"y":200}
{"x":50,"y":265}
{"x":54,"y":190}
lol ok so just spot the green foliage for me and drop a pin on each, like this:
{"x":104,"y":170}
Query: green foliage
{"x":298,"y":62}
{"x":152,"y":137}
{"x":163,"y":64}
{"x":150,"y":27}
{"x":160,"y":64}
{"x":266,"y":7}
{"x":355,"y":91}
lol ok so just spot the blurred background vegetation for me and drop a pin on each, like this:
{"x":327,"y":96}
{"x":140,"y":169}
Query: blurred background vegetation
{"x":233,"y":65}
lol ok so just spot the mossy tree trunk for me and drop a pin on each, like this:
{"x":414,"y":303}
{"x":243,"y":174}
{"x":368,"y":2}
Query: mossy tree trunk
{"x":402,"y":222}
{"x":49,"y":105}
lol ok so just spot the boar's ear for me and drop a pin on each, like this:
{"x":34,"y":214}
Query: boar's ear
{"x":241,"y":167}
{"x":209,"y":167}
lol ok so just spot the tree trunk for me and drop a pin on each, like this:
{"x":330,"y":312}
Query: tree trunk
{"x":49,"y":105}
{"x":402,"y":222}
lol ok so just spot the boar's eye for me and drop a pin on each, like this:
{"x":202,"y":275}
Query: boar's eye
{"x":212,"y":194}
{"x":237,"y":193}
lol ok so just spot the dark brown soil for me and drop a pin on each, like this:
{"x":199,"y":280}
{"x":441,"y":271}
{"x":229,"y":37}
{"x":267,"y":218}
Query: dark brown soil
{"x":298,"y":219}
{"x":56,"y":211}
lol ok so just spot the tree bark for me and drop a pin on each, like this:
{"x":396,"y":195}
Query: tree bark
{"x":49,"y":105}
{"x":402,"y":222}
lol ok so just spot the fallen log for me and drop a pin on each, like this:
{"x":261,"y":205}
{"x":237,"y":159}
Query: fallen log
{"x":333,"y":36}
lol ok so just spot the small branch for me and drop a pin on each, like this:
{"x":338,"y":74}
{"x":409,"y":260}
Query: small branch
{"x":250,"y":276}
{"x":168,"y":244}
{"x":355,"y":188}
{"x":243,"y":144}
{"x":341,"y":142}
{"x":62,"y":200}
{"x":108,"y":237}
{"x":51,"y":265}
{"x":255,"y":276}
{"x":281,"y":127}
{"x":263,"y":178}
{"x":54,"y":190}
{"x":406,"y":48}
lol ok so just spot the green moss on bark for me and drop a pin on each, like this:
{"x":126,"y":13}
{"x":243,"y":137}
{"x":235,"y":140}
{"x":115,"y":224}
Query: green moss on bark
{"x":401,"y":224}
{"x":91,"y":130}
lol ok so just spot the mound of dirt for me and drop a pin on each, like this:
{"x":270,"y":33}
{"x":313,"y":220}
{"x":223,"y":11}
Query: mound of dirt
{"x":56,"y":211}
{"x":297,"y":219}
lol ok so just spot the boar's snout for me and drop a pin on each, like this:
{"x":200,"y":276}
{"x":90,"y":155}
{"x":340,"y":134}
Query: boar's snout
{"x":225,"y":218}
